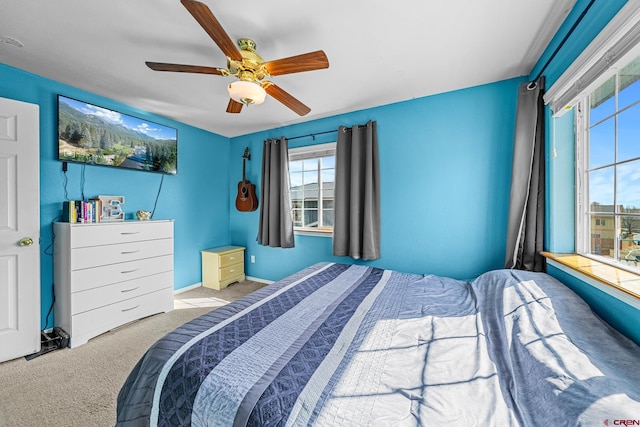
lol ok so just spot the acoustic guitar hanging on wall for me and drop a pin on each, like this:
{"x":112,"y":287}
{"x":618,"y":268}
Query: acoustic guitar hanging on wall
{"x":246,"y":200}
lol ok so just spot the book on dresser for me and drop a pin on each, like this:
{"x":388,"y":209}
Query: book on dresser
{"x":107,"y":274}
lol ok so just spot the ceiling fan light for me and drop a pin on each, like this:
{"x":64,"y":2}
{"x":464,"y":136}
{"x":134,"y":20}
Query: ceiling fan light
{"x":248,"y":93}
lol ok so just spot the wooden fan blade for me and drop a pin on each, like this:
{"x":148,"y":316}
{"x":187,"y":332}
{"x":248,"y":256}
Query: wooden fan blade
{"x":210,"y":24}
{"x":287,"y":99}
{"x":234,"y":106}
{"x":180,"y":68}
{"x":299,"y":63}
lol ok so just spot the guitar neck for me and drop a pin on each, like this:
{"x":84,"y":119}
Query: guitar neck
{"x":244,"y":169}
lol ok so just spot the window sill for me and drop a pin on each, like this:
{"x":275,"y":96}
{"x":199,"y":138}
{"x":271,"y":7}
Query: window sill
{"x":611,"y":277}
{"x":312,"y":232}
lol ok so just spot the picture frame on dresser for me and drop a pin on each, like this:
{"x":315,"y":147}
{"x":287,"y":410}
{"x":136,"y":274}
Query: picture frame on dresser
{"x":111,"y":273}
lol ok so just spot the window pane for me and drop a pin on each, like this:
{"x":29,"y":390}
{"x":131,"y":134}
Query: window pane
{"x":602,"y":235}
{"x":629,"y":84}
{"x":311,"y":203}
{"x":629,"y":186}
{"x":296,"y":195}
{"x":327,"y":217}
{"x":601,"y":190}
{"x":310,"y":218}
{"x":602,"y":144}
{"x":311,"y":192}
{"x":310,"y":164}
{"x":297,"y":218}
{"x":327,"y":203}
{"x":295,"y":179}
{"x":328,"y":176}
{"x":630,"y":240}
{"x":602,"y":101}
{"x":629,"y":133}
{"x":295,"y":166}
{"x":329,"y":162}
{"x":310,"y":177}
{"x":296,"y":204}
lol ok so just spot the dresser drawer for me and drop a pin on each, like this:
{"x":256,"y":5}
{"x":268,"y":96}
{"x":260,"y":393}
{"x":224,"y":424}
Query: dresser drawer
{"x":90,"y":278}
{"x":94,"y":322}
{"x":83,"y":235}
{"x":232,"y":271}
{"x":111,"y":254}
{"x":231,"y":258}
{"x":110,"y":294}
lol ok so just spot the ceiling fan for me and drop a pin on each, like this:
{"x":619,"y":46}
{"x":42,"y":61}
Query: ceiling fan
{"x":247,"y":66}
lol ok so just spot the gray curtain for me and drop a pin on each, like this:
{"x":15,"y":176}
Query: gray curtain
{"x":356,"y":228}
{"x":276,"y":222}
{"x":525,"y":232}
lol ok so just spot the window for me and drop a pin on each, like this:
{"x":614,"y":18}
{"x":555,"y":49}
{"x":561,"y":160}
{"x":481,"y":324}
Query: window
{"x":608,"y":167}
{"x":311,"y":176}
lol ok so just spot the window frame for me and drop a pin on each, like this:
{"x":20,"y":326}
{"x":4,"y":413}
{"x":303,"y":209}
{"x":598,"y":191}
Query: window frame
{"x":315,"y":151}
{"x":583,"y":213}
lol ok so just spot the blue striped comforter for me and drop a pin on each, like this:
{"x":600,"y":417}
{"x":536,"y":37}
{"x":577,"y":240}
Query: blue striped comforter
{"x":352,"y":345}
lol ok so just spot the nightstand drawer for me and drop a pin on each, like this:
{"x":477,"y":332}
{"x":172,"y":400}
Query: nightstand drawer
{"x":231,"y":271}
{"x":231,"y":258}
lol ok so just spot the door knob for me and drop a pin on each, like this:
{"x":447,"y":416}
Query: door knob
{"x":27,"y":241}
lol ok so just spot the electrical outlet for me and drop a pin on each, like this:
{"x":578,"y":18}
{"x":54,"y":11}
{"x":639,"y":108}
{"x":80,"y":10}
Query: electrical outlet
{"x":253,"y":259}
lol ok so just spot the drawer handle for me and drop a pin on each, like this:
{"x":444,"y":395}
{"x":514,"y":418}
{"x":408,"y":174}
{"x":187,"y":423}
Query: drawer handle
{"x":124,"y":233}
{"x":130,"y":252}
{"x":232,"y":271}
{"x":129,"y":290}
{"x":232,"y":257}
{"x":129,"y":271}
{"x":129,"y":309}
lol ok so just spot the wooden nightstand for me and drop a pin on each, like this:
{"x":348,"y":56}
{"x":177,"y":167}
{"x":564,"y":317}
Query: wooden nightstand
{"x":222,"y":266}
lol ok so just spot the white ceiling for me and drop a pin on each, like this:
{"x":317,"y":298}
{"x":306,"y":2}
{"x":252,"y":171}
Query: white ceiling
{"x":380,"y":52}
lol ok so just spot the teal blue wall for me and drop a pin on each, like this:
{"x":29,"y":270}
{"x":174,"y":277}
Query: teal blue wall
{"x":617,"y":313}
{"x":197,"y":197}
{"x":445,"y":166}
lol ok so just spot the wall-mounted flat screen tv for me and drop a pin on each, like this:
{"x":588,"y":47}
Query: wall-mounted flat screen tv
{"x":95,"y":135}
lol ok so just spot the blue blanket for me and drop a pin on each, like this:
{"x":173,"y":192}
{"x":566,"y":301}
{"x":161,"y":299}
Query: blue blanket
{"x":351,"y":345}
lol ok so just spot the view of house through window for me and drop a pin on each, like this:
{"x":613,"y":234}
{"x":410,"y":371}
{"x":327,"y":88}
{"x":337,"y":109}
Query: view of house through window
{"x":611,"y":125}
{"x":312,"y":174}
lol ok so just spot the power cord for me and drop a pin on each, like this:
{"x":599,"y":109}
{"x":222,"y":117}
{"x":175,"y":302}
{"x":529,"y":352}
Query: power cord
{"x":65,"y":180}
{"x":82,"y":181}
{"x":153,"y":212}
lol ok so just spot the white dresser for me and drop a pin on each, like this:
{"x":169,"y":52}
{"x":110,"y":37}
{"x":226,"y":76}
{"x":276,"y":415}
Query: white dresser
{"x":109,"y":274}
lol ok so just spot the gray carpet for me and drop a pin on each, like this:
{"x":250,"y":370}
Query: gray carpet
{"x":79,"y":387}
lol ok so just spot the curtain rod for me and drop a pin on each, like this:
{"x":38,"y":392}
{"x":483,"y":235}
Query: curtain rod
{"x":564,"y":40}
{"x":313,"y":135}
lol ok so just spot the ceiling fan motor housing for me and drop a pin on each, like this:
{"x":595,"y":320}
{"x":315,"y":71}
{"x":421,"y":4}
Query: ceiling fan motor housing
{"x":251,"y":68}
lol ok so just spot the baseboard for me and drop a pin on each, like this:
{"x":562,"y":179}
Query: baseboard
{"x":257,"y":279}
{"x":187,"y":288}
{"x":199,"y":284}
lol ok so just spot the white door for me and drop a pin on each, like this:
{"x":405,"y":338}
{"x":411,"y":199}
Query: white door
{"x":19,"y":229}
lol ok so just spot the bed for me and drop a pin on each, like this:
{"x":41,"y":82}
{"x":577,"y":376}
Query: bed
{"x":349,"y":345}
